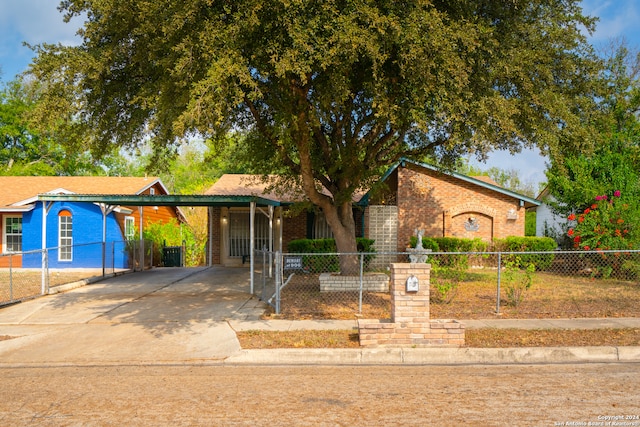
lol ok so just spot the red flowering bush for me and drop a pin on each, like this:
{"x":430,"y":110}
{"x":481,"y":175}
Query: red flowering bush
{"x":608,"y":224}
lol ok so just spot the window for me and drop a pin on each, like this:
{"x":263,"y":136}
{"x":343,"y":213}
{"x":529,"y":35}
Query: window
{"x":129,"y":227}
{"x":321,"y":229}
{"x":12,"y":238}
{"x":239,"y":233}
{"x":65,"y":236}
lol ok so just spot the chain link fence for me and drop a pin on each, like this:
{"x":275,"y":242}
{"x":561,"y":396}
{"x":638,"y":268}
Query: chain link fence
{"x":30,"y":274}
{"x":464,"y":285}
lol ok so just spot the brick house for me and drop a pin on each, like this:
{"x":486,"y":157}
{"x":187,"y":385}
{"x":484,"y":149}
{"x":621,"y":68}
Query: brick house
{"x":443,"y":204}
{"x":411,"y":196}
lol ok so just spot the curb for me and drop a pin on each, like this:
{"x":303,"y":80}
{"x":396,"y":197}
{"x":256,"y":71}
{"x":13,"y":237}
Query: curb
{"x":436,"y":356}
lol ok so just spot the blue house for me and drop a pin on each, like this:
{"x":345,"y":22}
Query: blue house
{"x":74,"y":232}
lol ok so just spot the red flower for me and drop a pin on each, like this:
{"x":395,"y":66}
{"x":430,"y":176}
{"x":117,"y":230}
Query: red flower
{"x":594,"y":206}
{"x":570,"y":232}
{"x":576,"y":239}
{"x":581,"y":219}
{"x":586,"y":211}
{"x":586,"y":247}
{"x":572,"y":217}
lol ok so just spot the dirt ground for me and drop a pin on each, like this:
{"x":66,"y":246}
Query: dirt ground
{"x":320,"y":396}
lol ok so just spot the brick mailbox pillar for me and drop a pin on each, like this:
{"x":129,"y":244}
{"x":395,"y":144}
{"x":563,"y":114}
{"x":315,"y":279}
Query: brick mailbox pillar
{"x":410,"y":323}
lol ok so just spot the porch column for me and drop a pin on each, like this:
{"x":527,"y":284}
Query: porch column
{"x":106,"y":210}
{"x":210,"y":246}
{"x":280,"y":228}
{"x":270,"y":241}
{"x":252,"y":214}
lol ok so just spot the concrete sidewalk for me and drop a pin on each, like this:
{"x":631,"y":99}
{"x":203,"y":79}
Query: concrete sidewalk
{"x":186,"y":316}
{"x":289,"y":325}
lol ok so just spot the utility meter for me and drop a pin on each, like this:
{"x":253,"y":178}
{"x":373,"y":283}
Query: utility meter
{"x":413,"y":284}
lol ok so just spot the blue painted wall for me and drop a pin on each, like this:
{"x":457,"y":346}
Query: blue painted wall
{"x":87,"y":235}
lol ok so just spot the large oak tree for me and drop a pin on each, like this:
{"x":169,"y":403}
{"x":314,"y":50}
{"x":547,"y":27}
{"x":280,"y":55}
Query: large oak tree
{"x":335,"y":89}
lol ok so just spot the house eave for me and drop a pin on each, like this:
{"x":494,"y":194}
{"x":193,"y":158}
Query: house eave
{"x":17,"y":209}
{"x":162,"y":200}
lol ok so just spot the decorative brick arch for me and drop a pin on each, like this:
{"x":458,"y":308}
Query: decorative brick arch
{"x":472,"y":207}
{"x":469,"y":208}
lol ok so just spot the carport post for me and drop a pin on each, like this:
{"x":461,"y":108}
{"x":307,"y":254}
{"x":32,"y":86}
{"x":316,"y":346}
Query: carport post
{"x":252,"y":242}
{"x":45,"y":261}
{"x":141,"y":211}
{"x":106,"y":210}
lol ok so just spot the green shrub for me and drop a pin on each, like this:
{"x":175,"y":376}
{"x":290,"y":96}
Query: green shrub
{"x":528,"y":244}
{"x":173,"y":234}
{"x":451,"y":244}
{"x":326,"y":263}
{"x":518,"y":278}
{"x":445,"y":282}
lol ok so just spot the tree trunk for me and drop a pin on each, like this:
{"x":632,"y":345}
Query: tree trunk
{"x":340,"y":219}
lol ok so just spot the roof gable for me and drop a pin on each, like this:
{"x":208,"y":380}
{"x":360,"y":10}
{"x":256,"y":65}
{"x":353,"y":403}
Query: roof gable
{"x":479,"y":181}
{"x":21,"y":190}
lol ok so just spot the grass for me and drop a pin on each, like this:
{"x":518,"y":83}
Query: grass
{"x":551,"y":296}
{"x":477,"y":338}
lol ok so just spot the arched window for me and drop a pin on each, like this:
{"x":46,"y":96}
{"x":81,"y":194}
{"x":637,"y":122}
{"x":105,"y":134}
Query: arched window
{"x":65,"y":236}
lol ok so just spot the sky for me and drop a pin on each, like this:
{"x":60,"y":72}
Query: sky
{"x":39,"y":21}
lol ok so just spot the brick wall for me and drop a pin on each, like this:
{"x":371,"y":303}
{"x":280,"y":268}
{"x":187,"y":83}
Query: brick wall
{"x":443,"y":205}
{"x":410,"y":323}
{"x":294,"y":228}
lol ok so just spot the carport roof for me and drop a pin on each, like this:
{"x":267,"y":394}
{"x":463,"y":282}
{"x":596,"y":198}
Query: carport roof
{"x":161,"y":200}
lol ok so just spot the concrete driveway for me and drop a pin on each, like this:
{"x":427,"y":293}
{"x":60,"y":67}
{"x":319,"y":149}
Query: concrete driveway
{"x":157,"y":316}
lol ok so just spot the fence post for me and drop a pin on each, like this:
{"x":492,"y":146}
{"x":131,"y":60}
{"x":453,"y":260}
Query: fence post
{"x":104,"y":258}
{"x":278,"y":279}
{"x":361,"y":282}
{"x":498,"y":292}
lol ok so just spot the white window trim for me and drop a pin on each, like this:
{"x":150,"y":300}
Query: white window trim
{"x":4,"y":232}
{"x":60,"y":244}
{"x":132,"y":220}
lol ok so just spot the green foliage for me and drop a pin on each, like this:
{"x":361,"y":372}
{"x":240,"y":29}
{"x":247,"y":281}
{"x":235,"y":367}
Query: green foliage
{"x":541,"y":261}
{"x":576,"y":178}
{"x":324,"y":263}
{"x":505,"y":178}
{"x":530,"y":223}
{"x":445,"y":280}
{"x":173,"y":234}
{"x":451,"y":244}
{"x":331,"y":91}
{"x":517,"y":278}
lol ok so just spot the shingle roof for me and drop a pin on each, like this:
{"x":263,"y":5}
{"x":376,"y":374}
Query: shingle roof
{"x":255,"y":185}
{"x":486,"y":179}
{"x":14,"y":189}
{"x":249,"y":185}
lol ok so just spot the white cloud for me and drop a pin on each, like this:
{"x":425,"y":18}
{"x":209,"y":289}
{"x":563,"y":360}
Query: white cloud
{"x":616,"y":19}
{"x":34,"y":22}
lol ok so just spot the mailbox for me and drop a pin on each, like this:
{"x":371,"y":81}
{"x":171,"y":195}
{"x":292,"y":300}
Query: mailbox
{"x":413,"y":284}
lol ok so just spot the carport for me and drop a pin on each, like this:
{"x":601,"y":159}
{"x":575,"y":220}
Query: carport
{"x":108,"y":203}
